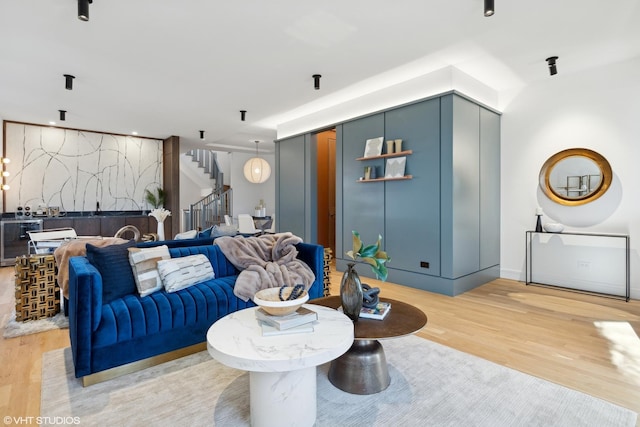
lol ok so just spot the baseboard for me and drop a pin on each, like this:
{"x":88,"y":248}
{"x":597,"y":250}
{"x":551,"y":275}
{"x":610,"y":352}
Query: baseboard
{"x":139,"y":365}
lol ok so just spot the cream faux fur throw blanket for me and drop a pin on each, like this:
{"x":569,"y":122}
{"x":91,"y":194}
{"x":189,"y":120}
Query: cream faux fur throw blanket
{"x":265,"y":261}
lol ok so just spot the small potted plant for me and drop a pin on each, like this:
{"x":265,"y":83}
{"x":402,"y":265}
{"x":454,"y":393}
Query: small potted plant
{"x":350,"y":286}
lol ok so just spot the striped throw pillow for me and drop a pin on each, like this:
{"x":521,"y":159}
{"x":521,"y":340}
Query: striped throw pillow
{"x":144,"y":264}
{"x":182,"y":272}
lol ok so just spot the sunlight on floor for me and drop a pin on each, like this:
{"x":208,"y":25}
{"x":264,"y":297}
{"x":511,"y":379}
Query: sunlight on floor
{"x":624,"y":347}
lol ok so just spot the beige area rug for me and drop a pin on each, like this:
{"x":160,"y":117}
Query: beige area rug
{"x":431,"y":385}
{"x":14,"y":328}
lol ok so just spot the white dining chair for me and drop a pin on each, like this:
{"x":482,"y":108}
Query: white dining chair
{"x":246,"y":225}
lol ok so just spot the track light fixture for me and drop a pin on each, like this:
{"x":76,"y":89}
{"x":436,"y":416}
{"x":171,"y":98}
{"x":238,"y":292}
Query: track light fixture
{"x":68,"y":81}
{"x":63,"y":115}
{"x":83,"y":9}
{"x":201,"y":134}
{"x":243,"y":114}
{"x":316,"y":81}
{"x":551,"y":61}
{"x":489,"y":8}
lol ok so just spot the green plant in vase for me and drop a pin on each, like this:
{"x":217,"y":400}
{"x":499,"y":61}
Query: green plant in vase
{"x":155,"y":199}
{"x":351,"y":287}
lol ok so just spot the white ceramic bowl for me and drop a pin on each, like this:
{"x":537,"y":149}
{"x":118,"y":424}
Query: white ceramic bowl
{"x":269,"y":300}
{"x":553,"y":227}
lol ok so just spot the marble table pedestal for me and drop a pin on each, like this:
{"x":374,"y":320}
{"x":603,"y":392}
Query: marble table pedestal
{"x":283,"y":398}
{"x":282,"y":368}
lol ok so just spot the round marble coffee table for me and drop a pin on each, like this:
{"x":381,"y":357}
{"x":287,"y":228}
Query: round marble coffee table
{"x":282,"y":368}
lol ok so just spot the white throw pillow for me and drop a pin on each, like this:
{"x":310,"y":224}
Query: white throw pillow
{"x":191,"y":234}
{"x":144,"y":264}
{"x":182,"y":272}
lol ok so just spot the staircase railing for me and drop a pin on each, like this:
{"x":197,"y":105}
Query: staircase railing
{"x":211,"y":210}
{"x":208,"y":161}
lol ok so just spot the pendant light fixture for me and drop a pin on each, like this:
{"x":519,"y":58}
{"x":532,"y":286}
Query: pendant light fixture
{"x":489,"y":8}
{"x":83,"y":9}
{"x":257,"y":169}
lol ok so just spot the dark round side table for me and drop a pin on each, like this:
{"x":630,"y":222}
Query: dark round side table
{"x":363,"y":368}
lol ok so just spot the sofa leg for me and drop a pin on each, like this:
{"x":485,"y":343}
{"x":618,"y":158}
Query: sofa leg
{"x":139,"y":365}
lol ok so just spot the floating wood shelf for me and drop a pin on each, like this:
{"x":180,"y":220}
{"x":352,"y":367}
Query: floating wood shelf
{"x":383,"y":156}
{"x":386,"y":179}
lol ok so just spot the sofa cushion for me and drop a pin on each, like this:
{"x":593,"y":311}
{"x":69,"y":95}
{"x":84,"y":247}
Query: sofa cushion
{"x":144,"y":264}
{"x":180,"y":273}
{"x":132,"y":317}
{"x":112,"y":262}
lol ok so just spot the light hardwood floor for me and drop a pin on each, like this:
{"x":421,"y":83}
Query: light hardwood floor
{"x":584,"y":342}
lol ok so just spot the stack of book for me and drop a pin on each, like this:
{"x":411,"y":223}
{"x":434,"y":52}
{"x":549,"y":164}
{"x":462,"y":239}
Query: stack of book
{"x":297,"y":322}
{"x":378,"y":312}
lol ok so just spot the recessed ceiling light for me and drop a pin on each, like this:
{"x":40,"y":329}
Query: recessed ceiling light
{"x":52,"y":123}
{"x":134,"y":133}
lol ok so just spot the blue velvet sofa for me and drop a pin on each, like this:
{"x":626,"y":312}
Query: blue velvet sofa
{"x":133,"y":328}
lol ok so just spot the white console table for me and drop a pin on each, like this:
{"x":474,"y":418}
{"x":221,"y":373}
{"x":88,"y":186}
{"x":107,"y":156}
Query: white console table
{"x":593,"y":263}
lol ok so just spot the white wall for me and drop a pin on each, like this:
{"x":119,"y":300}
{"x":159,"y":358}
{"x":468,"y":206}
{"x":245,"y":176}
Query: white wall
{"x":245,"y":194}
{"x":598,"y":109}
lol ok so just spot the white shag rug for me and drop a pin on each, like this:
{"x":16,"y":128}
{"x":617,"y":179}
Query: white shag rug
{"x":14,"y":328}
{"x":431,"y":385}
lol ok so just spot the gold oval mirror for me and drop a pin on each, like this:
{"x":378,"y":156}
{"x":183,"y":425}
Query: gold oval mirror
{"x":575,"y":176}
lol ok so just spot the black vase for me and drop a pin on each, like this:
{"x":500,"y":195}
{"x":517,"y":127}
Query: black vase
{"x":539,"y":224}
{"x":351,"y":293}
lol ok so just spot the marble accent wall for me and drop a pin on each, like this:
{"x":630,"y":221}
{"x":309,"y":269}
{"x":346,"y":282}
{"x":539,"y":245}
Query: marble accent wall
{"x":75,"y":169}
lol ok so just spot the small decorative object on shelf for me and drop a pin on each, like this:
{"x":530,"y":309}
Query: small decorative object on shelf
{"x":553,"y":227}
{"x":395,"y":167}
{"x":390,"y":145}
{"x":539,"y":220}
{"x":373,"y":147}
{"x":351,"y":293}
{"x":398,"y":146}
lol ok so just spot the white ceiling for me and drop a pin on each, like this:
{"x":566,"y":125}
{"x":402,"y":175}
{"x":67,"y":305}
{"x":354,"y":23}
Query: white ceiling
{"x":174,"y":67}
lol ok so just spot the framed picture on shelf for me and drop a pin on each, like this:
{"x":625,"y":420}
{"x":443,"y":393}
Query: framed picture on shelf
{"x":373,"y":147}
{"x":395,"y":167}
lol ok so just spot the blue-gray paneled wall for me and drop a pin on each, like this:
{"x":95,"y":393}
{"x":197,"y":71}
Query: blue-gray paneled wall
{"x":489,"y":189}
{"x":290,"y":185}
{"x":442,"y":227}
{"x":363,"y":204}
{"x":412,"y":208}
{"x":461,"y":187}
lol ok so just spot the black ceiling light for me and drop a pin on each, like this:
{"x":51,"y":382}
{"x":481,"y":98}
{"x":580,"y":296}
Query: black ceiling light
{"x":63,"y":115}
{"x":201,"y":134}
{"x":553,"y":70}
{"x":68,"y":81}
{"x":243,"y":114}
{"x":489,"y":8}
{"x":83,"y":9}
{"x":316,"y":81}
